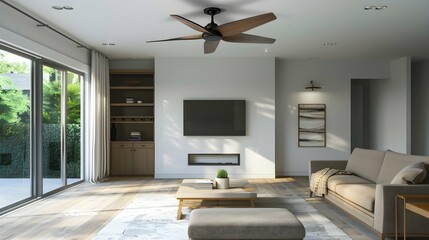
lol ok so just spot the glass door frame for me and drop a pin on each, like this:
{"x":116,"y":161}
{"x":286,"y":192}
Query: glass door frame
{"x":32,"y":157}
{"x":64,"y":111}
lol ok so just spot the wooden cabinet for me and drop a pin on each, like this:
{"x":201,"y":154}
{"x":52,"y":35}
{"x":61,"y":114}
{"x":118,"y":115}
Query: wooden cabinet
{"x":132,"y":118}
{"x":136,"y":158}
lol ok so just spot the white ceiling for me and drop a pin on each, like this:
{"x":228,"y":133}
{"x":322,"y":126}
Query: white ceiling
{"x":301,"y":28}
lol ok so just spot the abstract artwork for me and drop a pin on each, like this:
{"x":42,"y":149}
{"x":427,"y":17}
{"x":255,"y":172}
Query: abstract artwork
{"x":311,"y":125}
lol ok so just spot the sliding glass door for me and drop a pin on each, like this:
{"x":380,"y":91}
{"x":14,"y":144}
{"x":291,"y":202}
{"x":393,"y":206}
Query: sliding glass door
{"x":15,"y":162}
{"x":61,"y":134}
{"x":40,"y":127}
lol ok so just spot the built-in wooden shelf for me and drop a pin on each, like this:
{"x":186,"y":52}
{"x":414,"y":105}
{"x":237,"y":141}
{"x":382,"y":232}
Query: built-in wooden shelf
{"x":127,"y":87}
{"x":131,"y":71}
{"x":132,"y":104}
{"x":131,"y":119}
{"x":131,"y":88}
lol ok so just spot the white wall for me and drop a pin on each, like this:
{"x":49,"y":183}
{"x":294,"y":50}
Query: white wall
{"x":420,"y":109}
{"x":391,"y":109}
{"x":251,"y":79}
{"x":334,"y":78}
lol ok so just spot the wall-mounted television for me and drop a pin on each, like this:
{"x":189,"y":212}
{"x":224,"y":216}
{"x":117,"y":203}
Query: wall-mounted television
{"x":214,"y":117}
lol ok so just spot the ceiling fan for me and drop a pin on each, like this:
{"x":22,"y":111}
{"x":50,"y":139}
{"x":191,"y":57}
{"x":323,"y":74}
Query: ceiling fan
{"x":229,"y":32}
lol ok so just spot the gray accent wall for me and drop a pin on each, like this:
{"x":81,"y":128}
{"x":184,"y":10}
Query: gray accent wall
{"x":420,"y":108}
{"x":391,"y":108}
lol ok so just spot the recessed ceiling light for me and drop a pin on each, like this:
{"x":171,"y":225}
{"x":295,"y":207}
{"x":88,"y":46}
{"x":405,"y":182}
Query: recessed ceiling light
{"x":109,"y":44}
{"x":330,"y":44}
{"x":68,"y":8}
{"x":266,"y":49}
{"x":375,"y":7}
{"x":57,"y":7}
{"x":380,"y":7}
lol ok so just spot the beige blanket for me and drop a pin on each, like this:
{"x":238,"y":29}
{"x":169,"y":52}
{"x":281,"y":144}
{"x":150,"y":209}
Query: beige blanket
{"x":319,"y":180}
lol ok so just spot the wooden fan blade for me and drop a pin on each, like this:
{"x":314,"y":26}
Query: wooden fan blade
{"x":247,"y":38}
{"x":236,"y":27}
{"x":191,"y":37}
{"x":210,"y":46}
{"x":190,"y":24}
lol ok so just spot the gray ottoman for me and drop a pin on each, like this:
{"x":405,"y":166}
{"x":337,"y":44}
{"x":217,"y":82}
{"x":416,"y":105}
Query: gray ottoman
{"x":244,"y":223}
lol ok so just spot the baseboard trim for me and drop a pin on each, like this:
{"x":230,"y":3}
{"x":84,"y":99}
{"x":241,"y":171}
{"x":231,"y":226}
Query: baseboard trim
{"x":172,"y":176}
{"x":291,"y":173}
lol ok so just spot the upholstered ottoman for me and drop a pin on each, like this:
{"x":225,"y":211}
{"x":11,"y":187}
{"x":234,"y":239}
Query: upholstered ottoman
{"x":244,"y":223}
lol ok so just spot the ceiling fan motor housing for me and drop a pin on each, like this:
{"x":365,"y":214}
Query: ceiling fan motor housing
{"x":213,"y":35}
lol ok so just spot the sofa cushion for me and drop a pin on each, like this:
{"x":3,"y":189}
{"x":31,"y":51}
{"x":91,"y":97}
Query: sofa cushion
{"x":395,"y":162}
{"x":366,"y":163}
{"x":360,"y":194}
{"x":336,"y":180}
{"x":414,"y":173}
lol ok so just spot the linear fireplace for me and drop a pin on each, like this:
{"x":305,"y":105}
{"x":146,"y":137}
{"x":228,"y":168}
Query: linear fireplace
{"x":214,"y":159}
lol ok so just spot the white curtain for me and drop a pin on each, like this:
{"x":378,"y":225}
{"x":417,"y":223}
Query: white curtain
{"x":99,"y":119}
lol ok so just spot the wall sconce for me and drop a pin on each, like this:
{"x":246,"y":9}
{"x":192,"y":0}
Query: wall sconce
{"x":312,"y":87}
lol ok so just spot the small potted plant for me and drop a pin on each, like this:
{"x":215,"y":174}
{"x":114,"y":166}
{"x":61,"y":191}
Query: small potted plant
{"x":222,"y":180}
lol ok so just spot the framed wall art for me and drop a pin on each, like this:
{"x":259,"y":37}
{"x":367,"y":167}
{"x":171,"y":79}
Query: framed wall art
{"x":311,"y":125}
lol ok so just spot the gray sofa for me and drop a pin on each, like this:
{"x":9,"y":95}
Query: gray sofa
{"x":369,"y":194}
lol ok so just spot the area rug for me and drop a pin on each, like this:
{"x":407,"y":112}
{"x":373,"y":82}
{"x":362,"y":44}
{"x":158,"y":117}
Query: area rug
{"x":154,"y":217}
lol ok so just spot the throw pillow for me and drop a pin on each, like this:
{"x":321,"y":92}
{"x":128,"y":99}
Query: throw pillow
{"x":412,"y":174}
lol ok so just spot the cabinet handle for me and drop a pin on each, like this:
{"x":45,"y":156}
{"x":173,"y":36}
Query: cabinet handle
{"x":143,"y":145}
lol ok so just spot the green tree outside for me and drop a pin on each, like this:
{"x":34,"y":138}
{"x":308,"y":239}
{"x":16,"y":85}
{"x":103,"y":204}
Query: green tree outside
{"x":13,"y":102}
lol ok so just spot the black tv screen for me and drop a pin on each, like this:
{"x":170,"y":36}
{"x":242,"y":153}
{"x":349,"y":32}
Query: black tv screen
{"x":214,"y":117}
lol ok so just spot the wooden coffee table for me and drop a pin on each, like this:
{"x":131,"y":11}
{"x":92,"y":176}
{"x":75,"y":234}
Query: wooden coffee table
{"x":421,"y":208}
{"x":239,"y":191}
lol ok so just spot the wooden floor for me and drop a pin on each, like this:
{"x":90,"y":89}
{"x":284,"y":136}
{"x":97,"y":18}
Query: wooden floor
{"x":82,"y":211}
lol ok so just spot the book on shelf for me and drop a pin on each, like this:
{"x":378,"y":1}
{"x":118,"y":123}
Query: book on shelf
{"x":135,"y":136}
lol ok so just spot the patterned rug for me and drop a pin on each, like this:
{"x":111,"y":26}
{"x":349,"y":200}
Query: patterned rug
{"x":154,"y":217}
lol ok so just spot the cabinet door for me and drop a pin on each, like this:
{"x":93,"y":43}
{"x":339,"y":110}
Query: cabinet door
{"x":127,"y":162}
{"x":138,"y":161}
{"x":143,"y":161}
{"x":121,"y":161}
{"x":115,"y":160}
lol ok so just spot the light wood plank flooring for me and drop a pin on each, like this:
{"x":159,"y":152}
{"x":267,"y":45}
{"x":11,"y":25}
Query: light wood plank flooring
{"x":82,"y":211}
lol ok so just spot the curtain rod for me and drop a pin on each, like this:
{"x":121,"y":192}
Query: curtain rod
{"x":42,"y":24}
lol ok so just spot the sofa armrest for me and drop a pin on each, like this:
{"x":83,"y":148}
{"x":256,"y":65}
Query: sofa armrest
{"x":384,"y":209}
{"x":316,"y":165}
